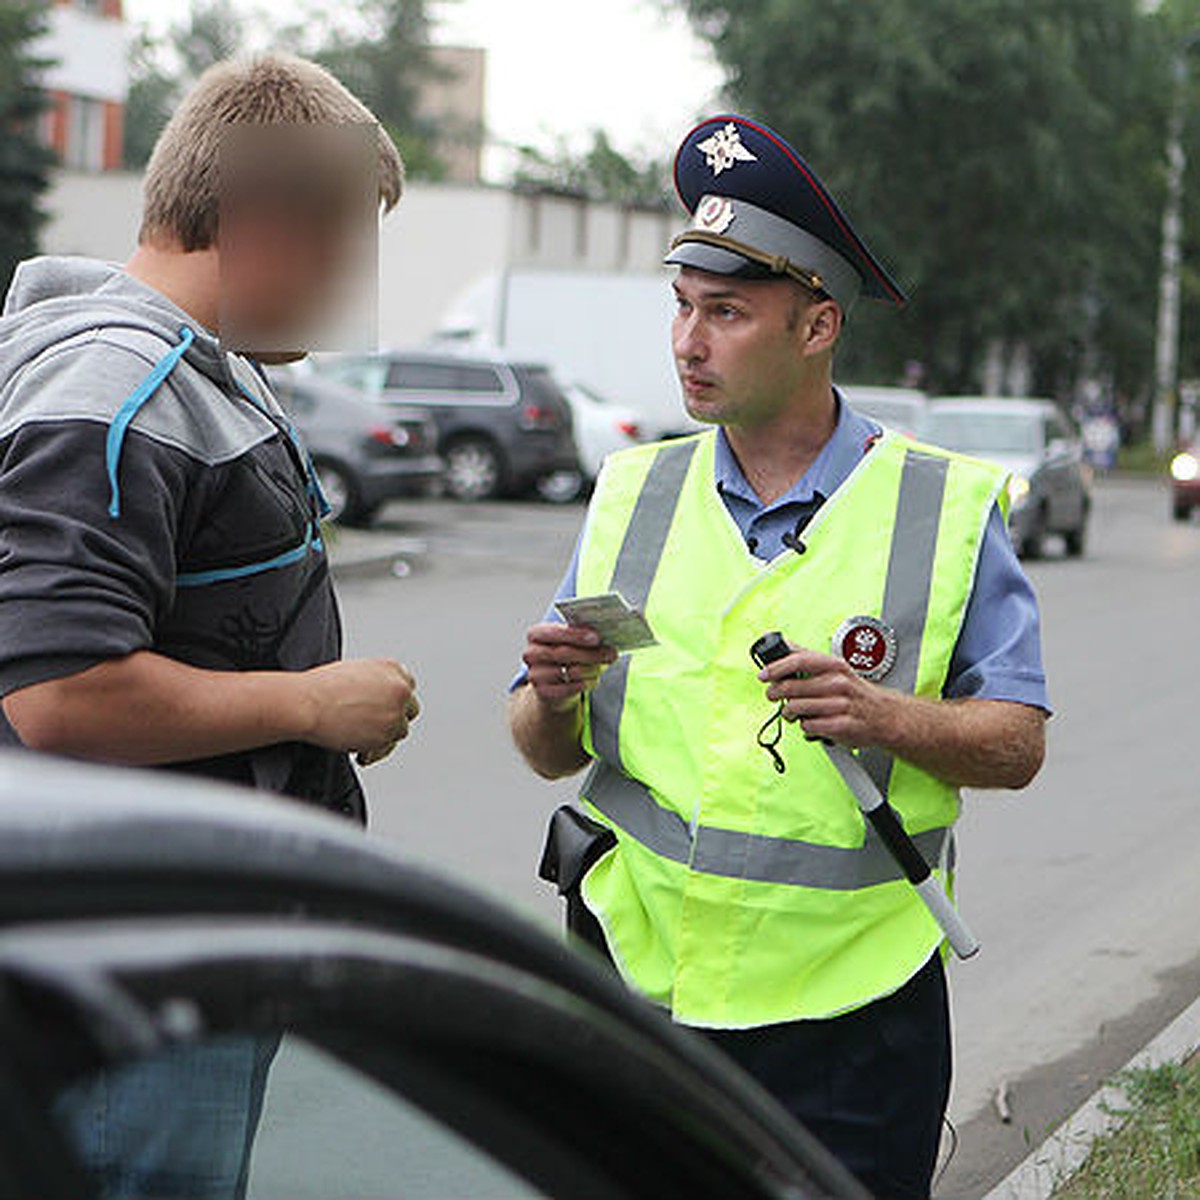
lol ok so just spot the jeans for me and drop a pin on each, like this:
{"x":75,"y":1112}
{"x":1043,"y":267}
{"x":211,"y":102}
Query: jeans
{"x":180,"y":1124}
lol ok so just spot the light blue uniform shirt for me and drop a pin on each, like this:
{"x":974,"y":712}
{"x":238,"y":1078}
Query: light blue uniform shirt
{"x":999,"y":651}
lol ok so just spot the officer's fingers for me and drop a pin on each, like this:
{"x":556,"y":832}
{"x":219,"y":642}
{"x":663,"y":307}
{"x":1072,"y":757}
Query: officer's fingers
{"x":814,"y":708}
{"x":537,"y":655}
{"x":550,"y":634}
{"x":793,"y":688}
{"x":802,"y":661}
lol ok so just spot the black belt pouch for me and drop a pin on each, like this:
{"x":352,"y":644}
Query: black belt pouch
{"x":574,"y":843}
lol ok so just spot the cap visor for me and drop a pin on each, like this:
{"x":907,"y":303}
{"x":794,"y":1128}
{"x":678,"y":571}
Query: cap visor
{"x":713,"y":259}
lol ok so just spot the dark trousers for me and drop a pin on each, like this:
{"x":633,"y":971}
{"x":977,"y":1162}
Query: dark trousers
{"x":872,"y":1085}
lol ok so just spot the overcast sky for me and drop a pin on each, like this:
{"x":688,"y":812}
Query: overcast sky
{"x":564,"y":67}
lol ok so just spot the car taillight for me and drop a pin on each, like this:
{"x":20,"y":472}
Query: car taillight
{"x":538,"y":416}
{"x":631,"y":429}
{"x":394,"y":436}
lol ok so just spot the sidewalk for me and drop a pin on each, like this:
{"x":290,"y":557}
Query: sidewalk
{"x":1065,"y":1151}
{"x":361,"y":554}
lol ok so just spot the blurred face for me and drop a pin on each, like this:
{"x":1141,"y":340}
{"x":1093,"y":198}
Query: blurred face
{"x":297,"y":237}
{"x":285,"y":268}
{"x":742,"y":347}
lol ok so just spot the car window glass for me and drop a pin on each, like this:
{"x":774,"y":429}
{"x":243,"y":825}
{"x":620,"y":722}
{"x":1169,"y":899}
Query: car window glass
{"x":367,"y":375}
{"x":423,"y":377}
{"x":984,"y":433}
{"x":485,"y":380}
{"x":541,"y":388}
{"x":1057,"y":429}
{"x":326,"y":1132}
{"x":297,"y":400}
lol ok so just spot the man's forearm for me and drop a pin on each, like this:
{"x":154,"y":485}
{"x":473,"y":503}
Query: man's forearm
{"x":549,"y":738}
{"x":969,"y":743}
{"x":147,"y":710}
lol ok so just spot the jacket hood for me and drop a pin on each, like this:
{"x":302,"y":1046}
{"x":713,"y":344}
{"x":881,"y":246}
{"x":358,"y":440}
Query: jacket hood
{"x":52,"y":299}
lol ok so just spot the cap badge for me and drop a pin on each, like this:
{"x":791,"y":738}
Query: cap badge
{"x":724,"y":149}
{"x":714,"y":214}
{"x":867,"y":644}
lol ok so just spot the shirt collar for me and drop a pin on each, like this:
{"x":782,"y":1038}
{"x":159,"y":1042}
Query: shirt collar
{"x":838,"y":457}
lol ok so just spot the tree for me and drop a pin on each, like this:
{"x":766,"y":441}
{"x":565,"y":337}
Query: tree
{"x":601,"y":173}
{"x":379,"y":48}
{"x":24,"y":162}
{"x":162,"y":69}
{"x":1001,"y":155}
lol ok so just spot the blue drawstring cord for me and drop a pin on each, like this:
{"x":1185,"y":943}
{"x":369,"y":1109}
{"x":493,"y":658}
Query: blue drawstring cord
{"x":313,"y":484}
{"x":130,"y":409}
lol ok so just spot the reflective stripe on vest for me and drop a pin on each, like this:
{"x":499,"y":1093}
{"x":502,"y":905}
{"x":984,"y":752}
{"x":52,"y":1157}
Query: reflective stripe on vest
{"x":633,"y":577}
{"x":734,"y":854}
{"x":629,"y":805}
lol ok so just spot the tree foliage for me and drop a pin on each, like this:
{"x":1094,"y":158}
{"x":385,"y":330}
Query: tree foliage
{"x":1004,"y":156}
{"x":601,"y":173}
{"x":24,"y":162}
{"x":379,"y":48}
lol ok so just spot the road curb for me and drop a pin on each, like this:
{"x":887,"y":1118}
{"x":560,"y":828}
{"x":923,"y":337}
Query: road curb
{"x":397,"y":556}
{"x":1064,"y":1152}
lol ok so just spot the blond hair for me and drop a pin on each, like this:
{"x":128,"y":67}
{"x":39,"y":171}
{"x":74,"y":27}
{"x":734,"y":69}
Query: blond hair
{"x":182,"y":185}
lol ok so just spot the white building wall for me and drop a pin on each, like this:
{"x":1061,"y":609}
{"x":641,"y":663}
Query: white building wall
{"x":94,"y":214}
{"x":90,"y":54}
{"x":441,"y":239}
{"x":438,"y":240}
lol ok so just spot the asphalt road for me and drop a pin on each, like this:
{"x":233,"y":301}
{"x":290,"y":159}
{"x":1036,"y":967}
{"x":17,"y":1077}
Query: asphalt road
{"x":1084,"y":889}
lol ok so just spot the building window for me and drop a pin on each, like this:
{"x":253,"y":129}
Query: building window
{"x":85,"y":135}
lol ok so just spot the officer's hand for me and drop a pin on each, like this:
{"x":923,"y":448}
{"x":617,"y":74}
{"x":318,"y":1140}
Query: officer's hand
{"x":827,"y":697}
{"x":564,"y":662}
{"x":362,"y":706}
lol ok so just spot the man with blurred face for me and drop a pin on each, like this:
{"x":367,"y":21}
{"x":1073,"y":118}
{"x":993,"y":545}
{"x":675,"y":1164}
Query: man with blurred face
{"x":725,"y":867}
{"x":165,"y":597}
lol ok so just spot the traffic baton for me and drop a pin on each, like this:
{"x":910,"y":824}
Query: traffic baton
{"x":886,"y":822}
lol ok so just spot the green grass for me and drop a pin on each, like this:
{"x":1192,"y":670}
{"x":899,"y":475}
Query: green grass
{"x":1141,"y":458}
{"x":1155,"y":1155}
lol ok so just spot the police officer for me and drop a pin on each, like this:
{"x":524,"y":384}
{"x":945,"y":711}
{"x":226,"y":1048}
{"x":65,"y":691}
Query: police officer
{"x":747,"y":901}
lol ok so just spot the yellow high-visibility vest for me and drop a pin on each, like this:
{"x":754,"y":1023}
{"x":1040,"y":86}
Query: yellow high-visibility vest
{"x":737,"y":896}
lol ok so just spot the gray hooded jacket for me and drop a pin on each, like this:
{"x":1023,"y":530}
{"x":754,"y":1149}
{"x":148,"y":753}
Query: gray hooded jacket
{"x":154,"y":497}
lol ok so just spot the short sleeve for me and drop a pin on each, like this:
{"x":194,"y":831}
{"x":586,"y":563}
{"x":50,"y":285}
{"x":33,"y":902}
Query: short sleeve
{"x":566,"y":591}
{"x":999,"y":651}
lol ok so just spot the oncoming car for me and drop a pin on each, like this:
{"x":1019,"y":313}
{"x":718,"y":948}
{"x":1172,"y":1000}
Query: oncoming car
{"x":423,"y":1041}
{"x":1185,"y":482}
{"x":1050,"y":489}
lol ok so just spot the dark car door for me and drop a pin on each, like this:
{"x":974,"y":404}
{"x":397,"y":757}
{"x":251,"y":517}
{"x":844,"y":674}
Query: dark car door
{"x":429,"y":1045}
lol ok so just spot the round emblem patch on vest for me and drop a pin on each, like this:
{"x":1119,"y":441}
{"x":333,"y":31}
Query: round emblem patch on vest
{"x":867,"y":644}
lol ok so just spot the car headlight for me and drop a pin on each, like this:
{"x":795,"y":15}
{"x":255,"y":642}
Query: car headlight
{"x":1018,"y":489}
{"x":1185,"y":467}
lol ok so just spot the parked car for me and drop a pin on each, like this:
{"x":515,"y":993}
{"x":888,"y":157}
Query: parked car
{"x":600,"y":429}
{"x":1050,"y":490}
{"x":431,"y":1043}
{"x":365,"y":454}
{"x":901,"y":409}
{"x":1185,"y":482}
{"x":502,"y":425}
